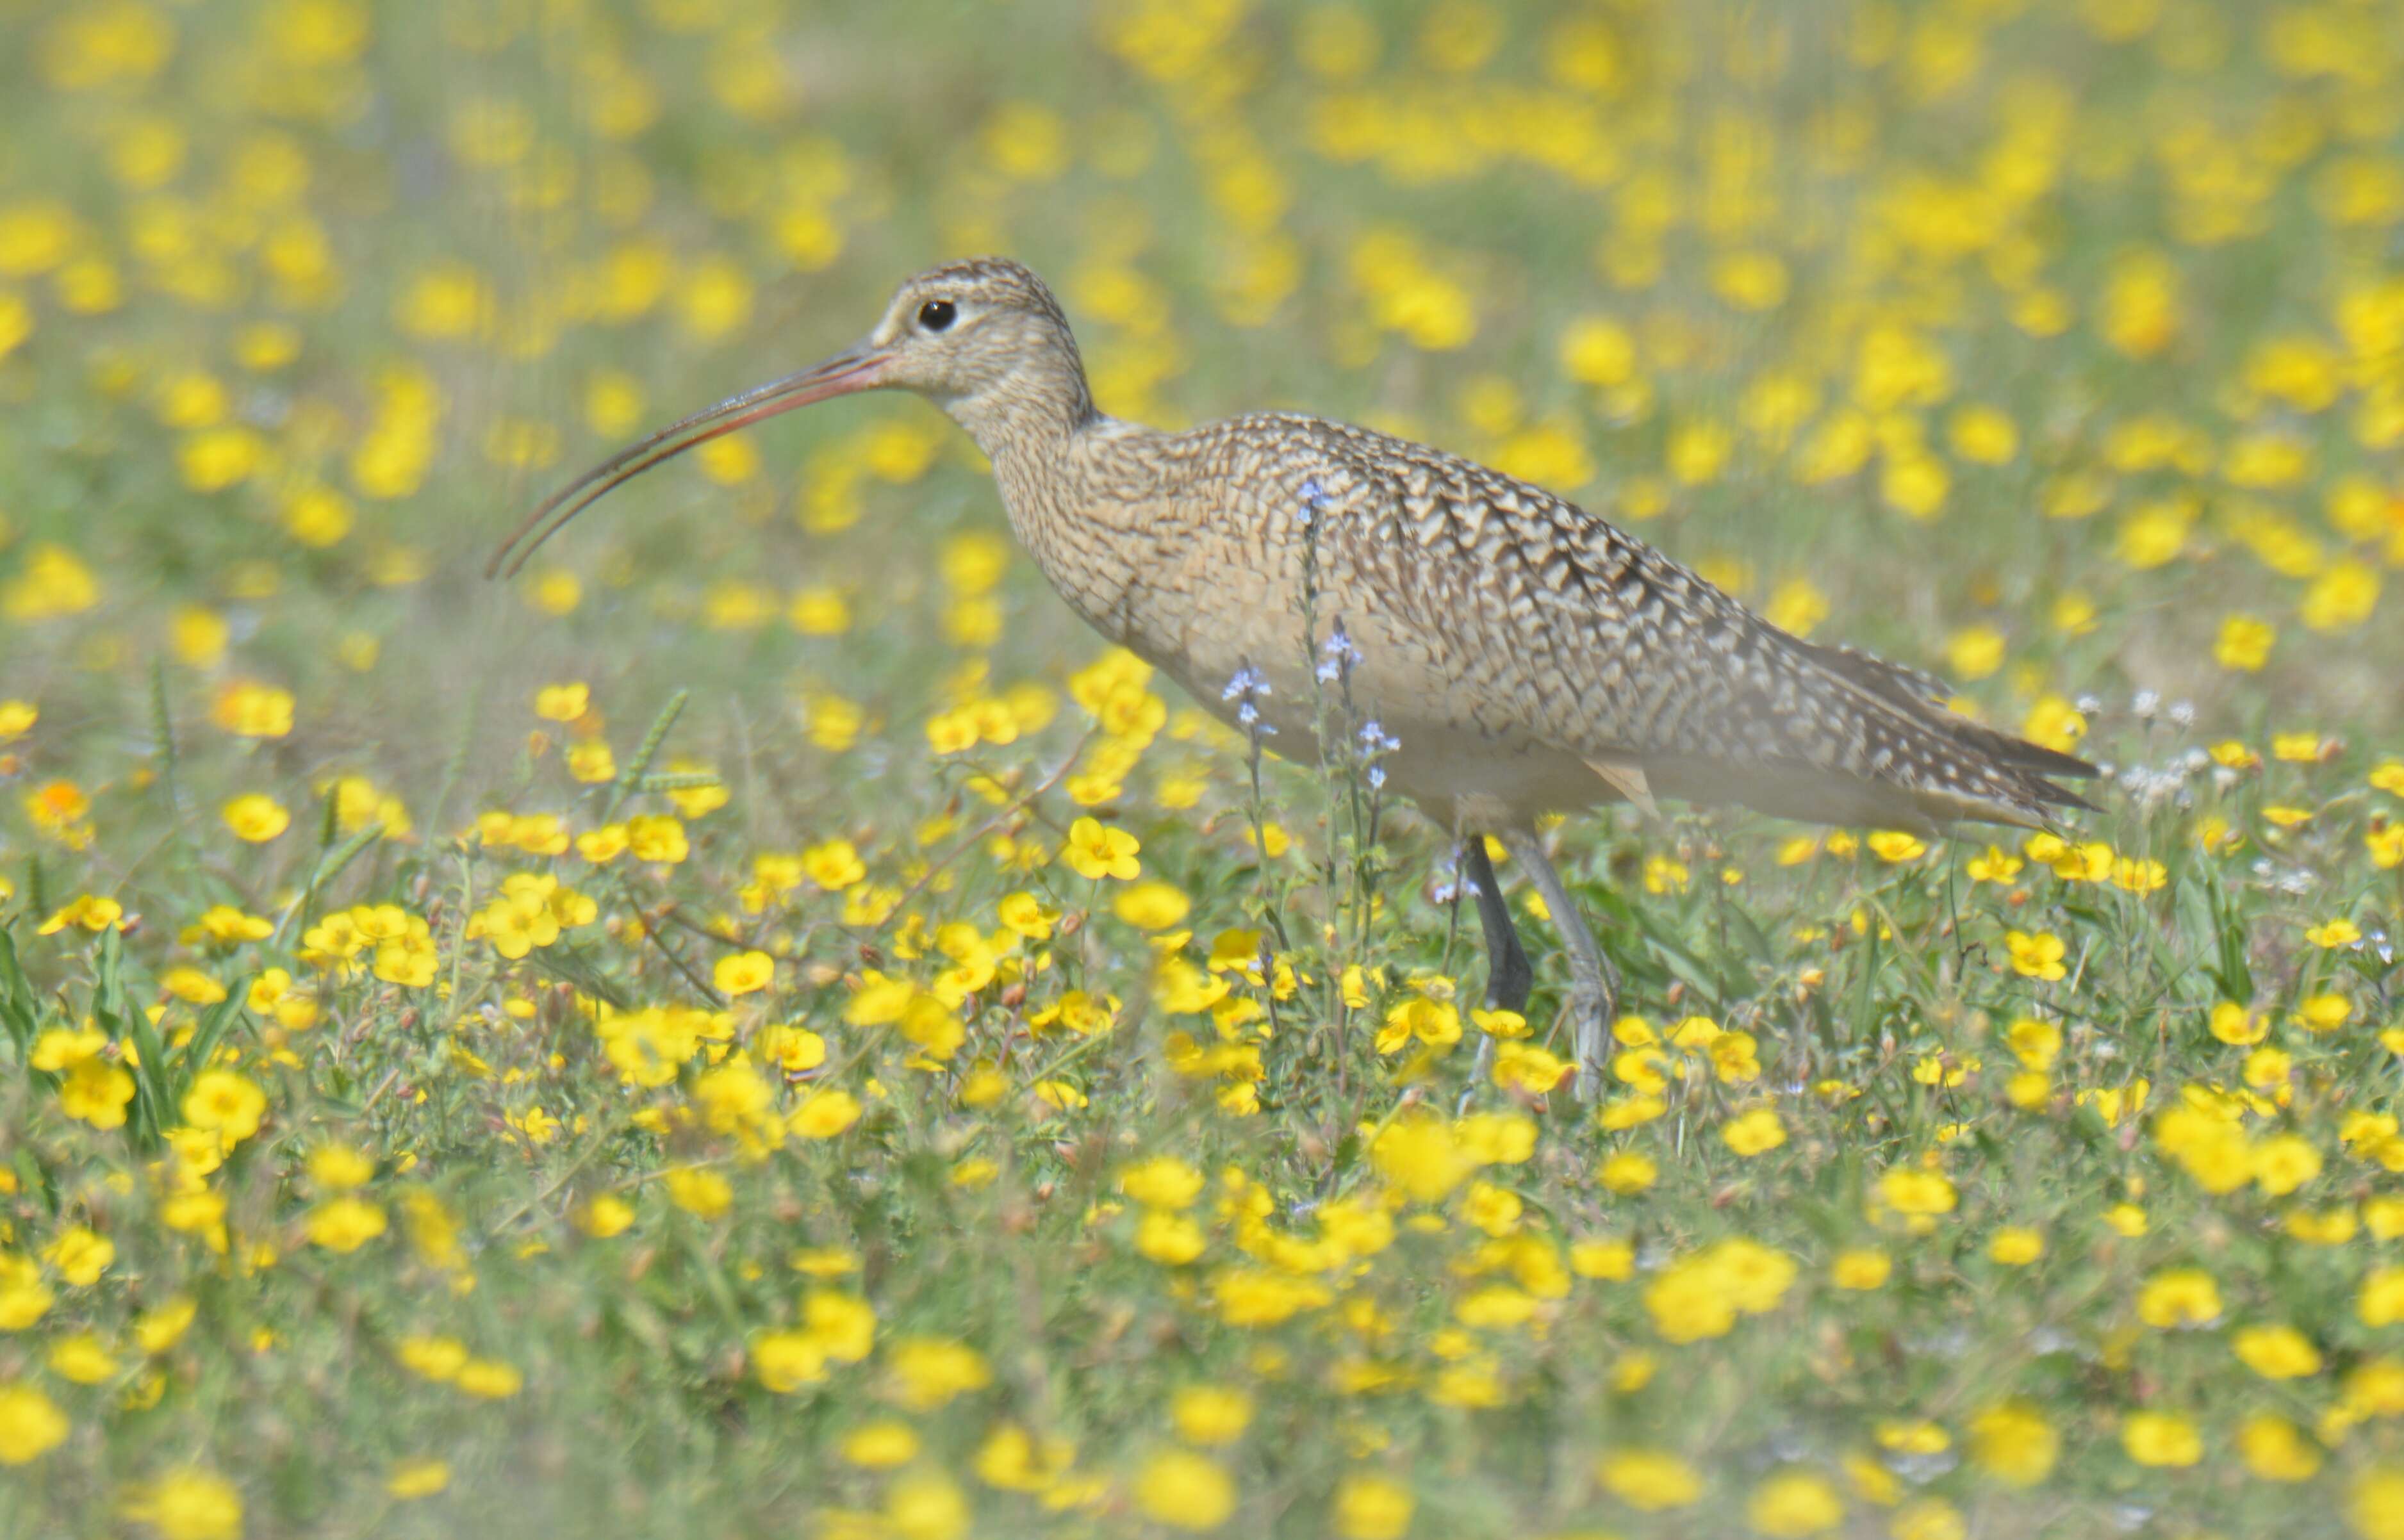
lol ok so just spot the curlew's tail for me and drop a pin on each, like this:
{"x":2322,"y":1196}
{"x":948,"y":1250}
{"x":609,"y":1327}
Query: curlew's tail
{"x":1946,"y":767}
{"x":1844,"y":738}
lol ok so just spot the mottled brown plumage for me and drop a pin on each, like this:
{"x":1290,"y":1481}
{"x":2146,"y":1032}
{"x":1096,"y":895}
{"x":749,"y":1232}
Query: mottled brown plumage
{"x":1529,"y":656}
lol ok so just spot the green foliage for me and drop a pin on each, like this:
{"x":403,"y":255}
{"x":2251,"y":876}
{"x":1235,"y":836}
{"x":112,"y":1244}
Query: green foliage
{"x":936,"y":1079}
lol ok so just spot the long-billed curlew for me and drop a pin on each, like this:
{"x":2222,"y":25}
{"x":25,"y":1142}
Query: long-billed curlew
{"x":1530,"y":657}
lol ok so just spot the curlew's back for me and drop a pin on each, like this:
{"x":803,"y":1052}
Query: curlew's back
{"x":1540,"y":657}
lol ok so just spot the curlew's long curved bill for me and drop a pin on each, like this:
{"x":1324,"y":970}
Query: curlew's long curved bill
{"x":855,"y":369}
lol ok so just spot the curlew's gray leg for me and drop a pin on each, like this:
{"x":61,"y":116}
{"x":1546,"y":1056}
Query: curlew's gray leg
{"x":1508,"y":976}
{"x":1594,"y":983}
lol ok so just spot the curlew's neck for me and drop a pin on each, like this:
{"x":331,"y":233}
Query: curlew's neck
{"x":1074,"y":483}
{"x":1028,"y":411}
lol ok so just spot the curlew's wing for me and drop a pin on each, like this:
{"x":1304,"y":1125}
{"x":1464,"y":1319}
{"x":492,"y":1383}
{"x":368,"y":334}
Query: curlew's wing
{"x":1603,"y":646}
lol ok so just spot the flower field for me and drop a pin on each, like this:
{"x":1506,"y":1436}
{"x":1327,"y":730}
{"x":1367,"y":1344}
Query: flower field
{"x":766,"y":1027}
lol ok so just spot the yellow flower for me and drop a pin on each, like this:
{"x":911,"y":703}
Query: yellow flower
{"x":1649,"y":1480}
{"x":201,"y":1213}
{"x":784,"y":1361}
{"x":93,"y":914}
{"x":1164,"y":1182}
{"x":1211,"y":1414}
{"x":1528,"y":1069}
{"x":53,"y":581}
{"x":1419,"y":1154}
{"x":926,"y":1505}
{"x":2334,"y":934}
{"x":2013,"y":1442}
{"x":1753,"y":1132}
{"x":30,"y":1425}
{"x":2016,"y":1246}
{"x":80,"y":1256}
{"x":1795,"y":1503}
{"x":1860,"y":1269}
{"x":410,"y":1479}
{"x":1700,"y":1296}
{"x":257,"y":818}
{"x":2160,"y":1439}
{"x":1917,"y":1193}
{"x":744,"y":973}
{"x":64,"y":1047}
{"x":489,"y":1381}
{"x":1598,"y":350}
{"x":1180,"y":1490}
{"x":24,"y":1298}
{"x":561,"y":703}
{"x":2343,"y":597}
{"x":436,"y":1358}
{"x":1252,"y":1296}
{"x":824,"y":1114}
{"x":928,"y":1372}
{"x":346,"y":1224}
{"x":606,"y":843}
{"x":317,"y":517}
{"x":192,"y":986}
{"x":248,"y":708}
{"x":189,"y":1505}
{"x":1663,"y":875}
{"x":2381,"y":1301}
{"x":2133,"y":874}
{"x":2055,"y":724}
{"x":1983,"y":435}
{"x":2284,"y":1163}
{"x":2233,"y":1024}
{"x":2243,"y":643}
{"x":223,"y":1102}
{"x":1895,"y":846}
{"x":1095,"y":850}
{"x":1418,"y":1018}
{"x":590,"y":761}
{"x":2034,"y":1044}
{"x":606,"y":1215}
{"x":2325,"y":1012}
{"x":1628,"y":1174}
{"x":2036,"y":956}
{"x":880,"y":1444}
{"x":844,"y":1323}
{"x":1605,"y":1259}
{"x":2276,"y":1352}
{"x":1372,"y":1508}
{"x":2375,"y":1503}
{"x":1152,"y":906}
{"x":58,"y":808}
{"x":2275,"y":1450}
{"x":1506,"y":1025}
{"x":701,"y":1192}
{"x":655,"y":838}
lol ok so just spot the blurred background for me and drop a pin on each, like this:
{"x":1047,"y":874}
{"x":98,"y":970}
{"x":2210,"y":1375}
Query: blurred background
{"x":2053,"y":346}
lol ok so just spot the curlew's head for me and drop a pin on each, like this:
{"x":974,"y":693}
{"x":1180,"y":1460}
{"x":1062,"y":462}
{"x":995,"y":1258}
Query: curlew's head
{"x":967,"y":333}
{"x":981,"y":338}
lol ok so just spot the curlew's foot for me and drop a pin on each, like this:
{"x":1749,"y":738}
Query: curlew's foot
{"x":1508,"y":976}
{"x":1481,"y":1070}
{"x":1594,"y":983}
{"x":1593,"y":1004}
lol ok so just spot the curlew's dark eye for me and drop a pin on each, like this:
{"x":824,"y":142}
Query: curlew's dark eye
{"x":937,"y":314}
